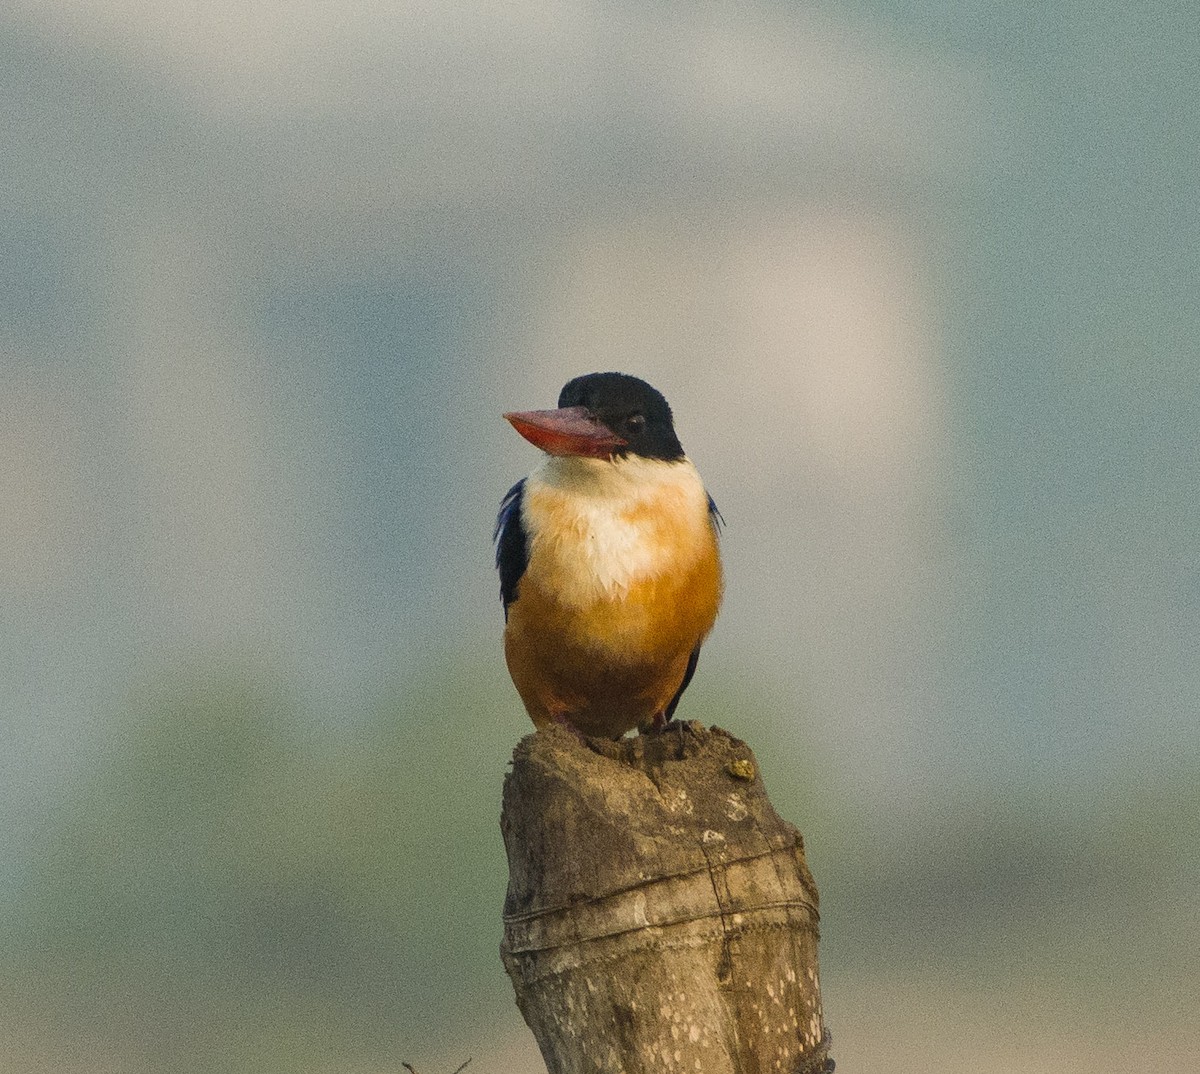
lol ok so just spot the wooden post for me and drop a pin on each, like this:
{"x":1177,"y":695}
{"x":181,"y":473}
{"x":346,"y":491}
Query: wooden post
{"x":660,"y":915}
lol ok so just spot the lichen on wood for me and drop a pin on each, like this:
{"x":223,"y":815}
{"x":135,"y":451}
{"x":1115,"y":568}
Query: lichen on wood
{"x":660,"y":914}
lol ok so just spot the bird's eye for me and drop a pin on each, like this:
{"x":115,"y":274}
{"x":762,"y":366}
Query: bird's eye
{"x":635,"y":424}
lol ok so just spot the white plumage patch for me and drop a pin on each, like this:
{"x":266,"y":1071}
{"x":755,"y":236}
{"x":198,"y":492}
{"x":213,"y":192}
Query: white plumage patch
{"x":597,"y":526}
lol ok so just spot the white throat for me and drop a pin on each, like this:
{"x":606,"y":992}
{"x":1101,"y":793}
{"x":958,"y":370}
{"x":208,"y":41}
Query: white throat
{"x":597,"y":526}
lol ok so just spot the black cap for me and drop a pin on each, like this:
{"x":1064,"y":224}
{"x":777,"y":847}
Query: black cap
{"x":631,"y":408}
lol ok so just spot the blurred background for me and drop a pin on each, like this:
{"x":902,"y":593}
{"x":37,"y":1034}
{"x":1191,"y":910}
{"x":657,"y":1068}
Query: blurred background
{"x":919,"y":280}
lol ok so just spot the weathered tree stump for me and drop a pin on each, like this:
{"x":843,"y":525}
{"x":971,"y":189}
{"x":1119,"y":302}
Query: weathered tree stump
{"x":660,"y":914}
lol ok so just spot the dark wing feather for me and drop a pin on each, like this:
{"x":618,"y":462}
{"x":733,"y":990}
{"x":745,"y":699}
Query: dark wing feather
{"x":512,"y":552}
{"x":715,"y":515}
{"x":693,"y":660}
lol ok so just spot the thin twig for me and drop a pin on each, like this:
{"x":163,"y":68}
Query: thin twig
{"x":411,"y":1070}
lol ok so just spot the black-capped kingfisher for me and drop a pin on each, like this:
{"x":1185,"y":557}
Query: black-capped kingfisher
{"x":610,"y":573}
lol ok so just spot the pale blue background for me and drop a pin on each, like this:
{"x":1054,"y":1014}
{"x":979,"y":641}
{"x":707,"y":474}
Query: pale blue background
{"x":920,"y":282}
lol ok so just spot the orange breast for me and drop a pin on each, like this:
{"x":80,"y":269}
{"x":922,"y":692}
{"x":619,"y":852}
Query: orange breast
{"x":613,"y":661}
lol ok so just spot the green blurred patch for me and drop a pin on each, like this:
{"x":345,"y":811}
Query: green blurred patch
{"x":231,"y":891}
{"x":237,"y":888}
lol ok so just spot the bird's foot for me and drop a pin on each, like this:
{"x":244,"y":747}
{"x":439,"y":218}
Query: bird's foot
{"x":560,"y":719}
{"x":657,"y":724}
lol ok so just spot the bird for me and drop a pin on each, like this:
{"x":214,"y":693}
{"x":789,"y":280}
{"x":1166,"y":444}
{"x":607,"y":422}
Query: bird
{"x":609,"y":561}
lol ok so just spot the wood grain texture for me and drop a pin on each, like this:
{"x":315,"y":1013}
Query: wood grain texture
{"x":660,"y":915}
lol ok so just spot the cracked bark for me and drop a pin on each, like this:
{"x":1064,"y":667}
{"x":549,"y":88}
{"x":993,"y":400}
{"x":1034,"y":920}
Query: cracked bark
{"x":660,"y":914}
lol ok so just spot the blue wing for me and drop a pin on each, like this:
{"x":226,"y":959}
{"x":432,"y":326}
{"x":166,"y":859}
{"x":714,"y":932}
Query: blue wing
{"x":713,"y":513}
{"x":512,"y":550}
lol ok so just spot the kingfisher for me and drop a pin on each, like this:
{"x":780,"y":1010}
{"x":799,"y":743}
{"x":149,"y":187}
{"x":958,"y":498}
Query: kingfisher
{"x":610,"y":571}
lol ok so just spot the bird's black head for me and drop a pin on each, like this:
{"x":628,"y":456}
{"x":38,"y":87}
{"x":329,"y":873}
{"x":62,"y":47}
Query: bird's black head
{"x":633,"y":410}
